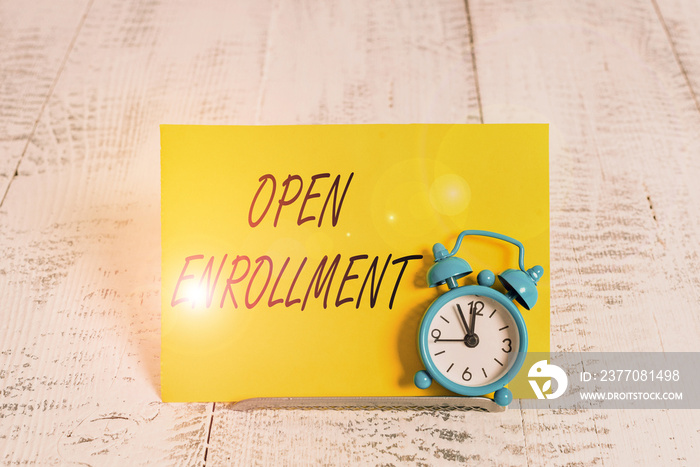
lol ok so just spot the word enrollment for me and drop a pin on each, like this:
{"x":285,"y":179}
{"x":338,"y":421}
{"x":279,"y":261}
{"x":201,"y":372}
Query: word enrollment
{"x":336,"y":280}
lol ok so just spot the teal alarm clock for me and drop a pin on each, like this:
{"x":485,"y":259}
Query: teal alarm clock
{"x":472,"y":339}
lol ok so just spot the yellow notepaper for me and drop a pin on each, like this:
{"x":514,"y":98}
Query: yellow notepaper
{"x":294,"y":257}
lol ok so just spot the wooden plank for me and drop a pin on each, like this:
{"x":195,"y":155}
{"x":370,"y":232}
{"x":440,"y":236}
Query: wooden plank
{"x":374,"y":437}
{"x":680,"y":20}
{"x":80,"y":273}
{"x":624,"y":220}
{"x":33,"y":45}
{"x":372,"y":62}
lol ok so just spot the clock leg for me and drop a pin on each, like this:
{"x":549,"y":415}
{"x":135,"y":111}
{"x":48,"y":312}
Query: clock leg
{"x":503,"y":397}
{"x":422,"y":379}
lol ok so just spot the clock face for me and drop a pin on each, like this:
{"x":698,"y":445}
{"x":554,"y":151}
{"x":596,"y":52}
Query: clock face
{"x":473,"y":340}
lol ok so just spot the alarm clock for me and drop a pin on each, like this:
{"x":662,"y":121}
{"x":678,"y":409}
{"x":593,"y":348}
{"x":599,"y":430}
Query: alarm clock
{"x":472,"y":339}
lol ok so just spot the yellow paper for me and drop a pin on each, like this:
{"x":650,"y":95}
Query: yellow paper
{"x":372,"y":194}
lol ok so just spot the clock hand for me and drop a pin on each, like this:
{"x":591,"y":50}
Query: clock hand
{"x":473,"y":322}
{"x":464,"y":321}
{"x":449,"y":340}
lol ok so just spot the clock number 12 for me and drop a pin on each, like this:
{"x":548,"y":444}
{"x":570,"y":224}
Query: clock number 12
{"x":476,"y":307}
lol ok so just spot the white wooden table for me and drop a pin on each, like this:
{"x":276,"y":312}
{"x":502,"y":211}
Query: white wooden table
{"x":84,"y":85}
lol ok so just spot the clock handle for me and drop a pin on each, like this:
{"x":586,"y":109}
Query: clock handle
{"x":486,"y":233}
{"x":520,"y":285}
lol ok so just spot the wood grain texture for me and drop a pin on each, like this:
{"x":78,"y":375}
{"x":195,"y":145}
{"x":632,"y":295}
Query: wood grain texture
{"x":366,"y":62}
{"x":346,"y":437}
{"x":34,"y":41}
{"x":680,"y":20}
{"x":80,"y":235}
{"x":624,"y":199}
